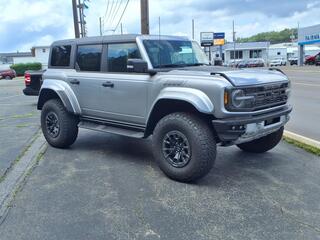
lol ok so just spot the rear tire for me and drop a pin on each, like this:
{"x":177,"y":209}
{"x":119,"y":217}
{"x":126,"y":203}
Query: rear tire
{"x":263,"y":144}
{"x":59,"y":127}
{"x":8,"y":78}
{"x":184,"y":147}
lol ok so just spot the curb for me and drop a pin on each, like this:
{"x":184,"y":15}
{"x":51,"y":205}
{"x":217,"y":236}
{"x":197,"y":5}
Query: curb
{"x":302,"y":139}
{"x":17,"y":175}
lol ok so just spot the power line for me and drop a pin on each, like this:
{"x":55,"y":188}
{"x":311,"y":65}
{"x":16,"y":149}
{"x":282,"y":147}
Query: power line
{"x":116,"y":12}
{"x":107,"y":9}
{"x":111,"y":12}
{"x":124,"y":10}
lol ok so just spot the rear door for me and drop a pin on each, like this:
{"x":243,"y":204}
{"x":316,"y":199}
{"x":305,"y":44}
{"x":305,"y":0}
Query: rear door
{"x":87,"y":79}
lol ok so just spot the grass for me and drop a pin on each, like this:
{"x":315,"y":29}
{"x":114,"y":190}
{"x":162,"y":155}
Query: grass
{"x":306,"y":147}
{"x":22,"y":125}
{"x":28,"y":115}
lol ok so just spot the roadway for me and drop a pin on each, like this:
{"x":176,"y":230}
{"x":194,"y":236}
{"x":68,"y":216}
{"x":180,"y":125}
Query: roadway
{"x":306,"y":101}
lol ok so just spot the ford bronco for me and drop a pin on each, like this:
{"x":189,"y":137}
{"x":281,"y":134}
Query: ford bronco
{"x":164,"y":87}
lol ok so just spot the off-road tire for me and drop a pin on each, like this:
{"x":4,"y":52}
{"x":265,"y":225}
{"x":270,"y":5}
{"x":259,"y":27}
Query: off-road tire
{"x":201,"y":141}
{"x":263,"y":144}
{"x":68,"y":124}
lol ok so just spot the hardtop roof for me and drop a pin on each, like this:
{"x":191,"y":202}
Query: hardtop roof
{"x":113,"y":38}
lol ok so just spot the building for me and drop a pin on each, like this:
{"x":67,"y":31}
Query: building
{"x":7,"y":58}
{"x":37,"y":54}
{"x":307,"y":36}
{"x":290,"y":50}
{"x":246,"y":51}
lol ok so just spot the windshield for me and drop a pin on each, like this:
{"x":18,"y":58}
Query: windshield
{"x":174,"y":53}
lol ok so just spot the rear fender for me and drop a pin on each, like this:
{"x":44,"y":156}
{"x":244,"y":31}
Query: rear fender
{"x":63,"y":91}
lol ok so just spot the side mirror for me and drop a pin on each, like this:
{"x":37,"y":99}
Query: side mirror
{"x":137,"y":66}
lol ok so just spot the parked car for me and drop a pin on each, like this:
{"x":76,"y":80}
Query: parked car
{"x":293,"y":61}
{"x":138,"y":86}
{"x":7,"y":74}
{"x":243,"y":64}
{"x":311,"y":60}
{"x":33,"y":82}
{"x":278,"y":62}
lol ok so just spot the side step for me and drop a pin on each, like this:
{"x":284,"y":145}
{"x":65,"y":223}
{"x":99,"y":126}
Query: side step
{"x":111,"y":129}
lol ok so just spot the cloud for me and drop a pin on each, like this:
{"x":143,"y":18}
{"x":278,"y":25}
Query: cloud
{"x":39,"y":22}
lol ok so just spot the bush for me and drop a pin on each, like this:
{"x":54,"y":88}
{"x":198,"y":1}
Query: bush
{"x":20,"y":68}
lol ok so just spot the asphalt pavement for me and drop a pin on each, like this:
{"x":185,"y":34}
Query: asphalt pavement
{"x":306,"y":101}
{"x":19,"y":121}
{"x":108,"y":187}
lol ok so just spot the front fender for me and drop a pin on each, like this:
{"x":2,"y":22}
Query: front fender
{"x":65,"y":93}
{"x":193,"y":96}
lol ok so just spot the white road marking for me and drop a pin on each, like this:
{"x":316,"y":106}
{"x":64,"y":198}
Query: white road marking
{"x":306,"y":84}
{"x":302,"y":139}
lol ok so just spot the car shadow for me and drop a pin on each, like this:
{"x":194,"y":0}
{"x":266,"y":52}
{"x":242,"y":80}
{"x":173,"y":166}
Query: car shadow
{"x":232,"y":165}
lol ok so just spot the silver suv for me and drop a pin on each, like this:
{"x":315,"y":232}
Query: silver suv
{"x":139,"y":86}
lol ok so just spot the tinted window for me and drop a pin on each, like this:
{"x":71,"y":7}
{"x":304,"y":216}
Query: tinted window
{"x":118,"y":55}
{"x":89,"y":57}
{"x":61,"y":56}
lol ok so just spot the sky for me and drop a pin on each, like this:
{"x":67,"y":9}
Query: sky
{"x":28,"y":23}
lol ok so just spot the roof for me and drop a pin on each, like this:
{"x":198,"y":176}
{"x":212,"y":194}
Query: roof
{"x":247,"y":46}
{"x":114,"y":38}
{"x":16,"y":54}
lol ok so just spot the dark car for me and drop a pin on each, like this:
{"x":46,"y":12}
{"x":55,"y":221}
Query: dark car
{"x":7,"y":74}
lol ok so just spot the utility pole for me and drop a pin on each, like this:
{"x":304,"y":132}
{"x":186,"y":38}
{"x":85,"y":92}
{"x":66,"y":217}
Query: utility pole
{"x":159,"y":26}
{"x":144,"y":5}
{"x":234,"y":44}
{"x":100,"y":24}
{"x":193,"y":29}
{"x":75,"y":19}
{"x":121,"y":29}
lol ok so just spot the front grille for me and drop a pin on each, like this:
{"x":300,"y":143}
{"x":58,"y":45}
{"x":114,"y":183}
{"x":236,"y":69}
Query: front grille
{"x":268,"y":95}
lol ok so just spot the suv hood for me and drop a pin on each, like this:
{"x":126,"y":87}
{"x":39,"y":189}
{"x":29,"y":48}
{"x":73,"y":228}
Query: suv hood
{"x":237,"y":77}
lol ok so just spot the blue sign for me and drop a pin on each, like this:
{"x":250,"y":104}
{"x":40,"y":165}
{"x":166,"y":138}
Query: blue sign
{"x":220,"y":35}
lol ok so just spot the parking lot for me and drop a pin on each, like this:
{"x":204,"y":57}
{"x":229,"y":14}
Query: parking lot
{"x":108,"y":187}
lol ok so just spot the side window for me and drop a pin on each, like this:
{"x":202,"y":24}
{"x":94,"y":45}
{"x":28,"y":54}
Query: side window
{"x":118,"y":55}
{"x":89,"y":57}
{"x":60,"y":56}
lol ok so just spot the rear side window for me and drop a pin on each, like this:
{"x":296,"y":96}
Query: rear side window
{"x":118,"y":55}
{"x":60,"y":56}
{"x":89,"y":58}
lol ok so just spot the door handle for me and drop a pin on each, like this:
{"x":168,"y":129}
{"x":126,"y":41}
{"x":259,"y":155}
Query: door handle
{"x":108,"y":84}
{"x":75,"y":81}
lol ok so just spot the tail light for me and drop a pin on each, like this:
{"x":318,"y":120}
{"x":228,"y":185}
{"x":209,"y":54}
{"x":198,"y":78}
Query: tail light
{"x":27,"y":79}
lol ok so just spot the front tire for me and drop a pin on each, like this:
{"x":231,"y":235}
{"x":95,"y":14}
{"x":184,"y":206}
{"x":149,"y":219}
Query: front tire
{"x":184,"y":147}
{"x":263,"y":144}
{"x":59,"y":127}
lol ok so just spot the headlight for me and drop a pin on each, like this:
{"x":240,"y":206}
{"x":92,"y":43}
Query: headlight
{"x":237,"y":98}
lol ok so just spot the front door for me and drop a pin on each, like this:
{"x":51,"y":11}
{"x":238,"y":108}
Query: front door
{"x":123,"y":94}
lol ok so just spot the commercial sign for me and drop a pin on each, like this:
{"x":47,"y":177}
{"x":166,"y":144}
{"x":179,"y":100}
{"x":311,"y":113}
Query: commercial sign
{"x":206,"y":39}
{"x":219,"y":39}
{"x":309,"y":35}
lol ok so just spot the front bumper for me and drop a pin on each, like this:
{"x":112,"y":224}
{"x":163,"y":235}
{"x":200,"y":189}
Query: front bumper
{"x":245,"y":129}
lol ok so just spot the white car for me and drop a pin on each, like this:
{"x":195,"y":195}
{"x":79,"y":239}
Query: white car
{"x":278,"y":62}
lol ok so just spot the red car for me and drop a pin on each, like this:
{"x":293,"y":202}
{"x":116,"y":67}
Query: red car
{"x":8,"y":74}
{"x":311,"y":60}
